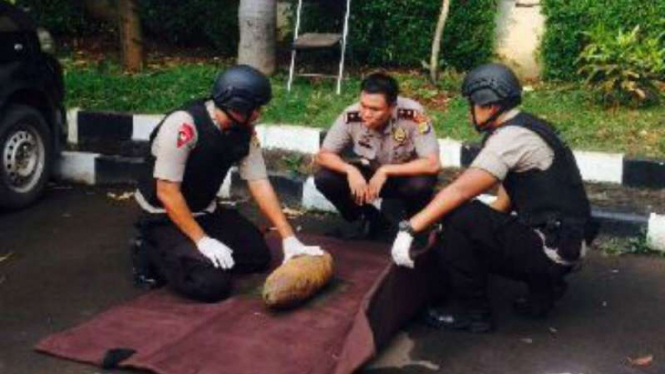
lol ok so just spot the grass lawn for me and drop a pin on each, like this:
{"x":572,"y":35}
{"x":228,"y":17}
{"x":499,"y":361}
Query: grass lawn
{"x":585,"y":125}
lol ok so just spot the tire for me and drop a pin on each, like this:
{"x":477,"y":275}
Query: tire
{"x":26,"y":156}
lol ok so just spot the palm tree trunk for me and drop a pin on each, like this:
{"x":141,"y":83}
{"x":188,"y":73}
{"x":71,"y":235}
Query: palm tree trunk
{"x":131,"y":39}
{"x":257,"y":20}
{"x":436,"y":43}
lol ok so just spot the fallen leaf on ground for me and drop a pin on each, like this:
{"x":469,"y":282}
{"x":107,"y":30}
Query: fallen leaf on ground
{"x":527,"y":340}
{"x":293,"y":212}
{"x":6,"y":256}
{"x":119,"y":197}
{"x":553,"y":330}
{"x":641,"y":361}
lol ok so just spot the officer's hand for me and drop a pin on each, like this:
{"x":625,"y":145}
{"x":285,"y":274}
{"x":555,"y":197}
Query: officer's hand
{"x":217,"y":252}
{"x":358,"y":186}
{"x":376,"y":184}
{"x":400,"y":250}
{"x":293,"y":247}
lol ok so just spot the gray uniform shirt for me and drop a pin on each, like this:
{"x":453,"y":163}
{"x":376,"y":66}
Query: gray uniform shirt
{"x":513,"y":148}
{"x":178,"y":136}
{"x":407,"y":136}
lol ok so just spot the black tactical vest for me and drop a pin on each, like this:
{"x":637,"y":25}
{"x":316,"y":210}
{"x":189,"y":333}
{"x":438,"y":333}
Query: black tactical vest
{"x":553,"y":200}
{"x":208,"y":163}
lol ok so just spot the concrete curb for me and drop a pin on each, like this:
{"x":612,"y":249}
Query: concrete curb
{"x":84,"y":127}
{"x":95,"y":168}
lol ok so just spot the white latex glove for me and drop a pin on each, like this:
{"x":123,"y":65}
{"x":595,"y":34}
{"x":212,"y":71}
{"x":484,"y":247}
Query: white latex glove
{"x":293,"y":247}
{"x":217,"y":252}
{"x":400,"y":250}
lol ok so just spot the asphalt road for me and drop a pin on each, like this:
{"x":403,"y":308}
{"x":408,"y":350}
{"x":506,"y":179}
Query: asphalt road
{"x":69,"y":262}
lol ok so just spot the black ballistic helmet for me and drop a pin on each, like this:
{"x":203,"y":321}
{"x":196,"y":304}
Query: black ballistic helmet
{"x":241,"y":88}
{"x":492,"y":84}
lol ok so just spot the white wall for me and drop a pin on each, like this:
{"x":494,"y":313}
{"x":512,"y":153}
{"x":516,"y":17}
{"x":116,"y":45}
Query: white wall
{"x":520,"y":27}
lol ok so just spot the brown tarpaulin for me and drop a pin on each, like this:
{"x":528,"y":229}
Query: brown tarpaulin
{"x":335,"y":333}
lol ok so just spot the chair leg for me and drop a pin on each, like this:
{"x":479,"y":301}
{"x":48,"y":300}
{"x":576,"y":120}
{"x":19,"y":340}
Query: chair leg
{"x":291,"y":70}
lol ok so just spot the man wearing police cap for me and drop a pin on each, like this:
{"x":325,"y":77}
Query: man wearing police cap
{"x":189,"y":241}
{"x":395,"y":155}
{"x":538,"y":180}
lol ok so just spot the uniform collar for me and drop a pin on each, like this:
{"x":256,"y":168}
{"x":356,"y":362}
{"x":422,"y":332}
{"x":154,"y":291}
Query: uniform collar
{"x":210,"y":108}
{"x":391,"y":123}
{"x":392,"y":120}
{"x":509,"y":115}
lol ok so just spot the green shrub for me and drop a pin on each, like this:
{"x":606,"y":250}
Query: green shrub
{"x":623,"y":67}
{"x":203,"y":23}
{"x":61,"y":17}
{"x":208,"y":23}
{"x":568,"y":20}
{"x":400,"y":32}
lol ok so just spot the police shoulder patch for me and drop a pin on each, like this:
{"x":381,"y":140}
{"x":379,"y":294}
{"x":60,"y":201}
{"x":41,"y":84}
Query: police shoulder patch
{"x":424,"y":127}
{"x":353,"y":116}
{"x":185,"y":134}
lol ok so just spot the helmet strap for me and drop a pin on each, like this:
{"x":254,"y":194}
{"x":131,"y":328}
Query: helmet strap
{"x":235,"y":124}
{"x":482,"y":127}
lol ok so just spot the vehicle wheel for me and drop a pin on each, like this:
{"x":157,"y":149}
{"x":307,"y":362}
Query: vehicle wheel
{"x":27,"y":156}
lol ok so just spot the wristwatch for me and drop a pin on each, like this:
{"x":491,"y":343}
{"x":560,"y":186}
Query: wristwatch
{"x":405,"y":226}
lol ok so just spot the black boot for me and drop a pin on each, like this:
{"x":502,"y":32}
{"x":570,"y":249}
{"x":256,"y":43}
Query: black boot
{"x":371,"y":224}
{"x":474,"y":321}
{"x":538,"y":304}
{"x":379,"y":227}
{"x":144,"y":274}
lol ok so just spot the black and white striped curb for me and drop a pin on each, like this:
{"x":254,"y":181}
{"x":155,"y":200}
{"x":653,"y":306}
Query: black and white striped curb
{"x":87,"y":127}
{"x":602,"y":167}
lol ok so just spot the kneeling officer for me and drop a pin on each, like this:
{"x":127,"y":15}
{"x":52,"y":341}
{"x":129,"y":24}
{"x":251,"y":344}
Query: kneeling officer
{"x":538,"y":179}
{"x":191,"y":243}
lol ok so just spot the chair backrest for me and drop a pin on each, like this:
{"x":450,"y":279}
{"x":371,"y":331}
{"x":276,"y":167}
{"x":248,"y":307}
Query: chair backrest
{"x":335,"y":11}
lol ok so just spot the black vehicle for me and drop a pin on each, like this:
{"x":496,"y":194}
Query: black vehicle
{"x":32,"y":116}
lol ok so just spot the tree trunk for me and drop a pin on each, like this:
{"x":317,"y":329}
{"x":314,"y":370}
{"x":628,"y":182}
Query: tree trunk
{"x":101,"y":10}
{"x":436,"y":43}
{"x":257,"y":20}
{"x":131,"y":39}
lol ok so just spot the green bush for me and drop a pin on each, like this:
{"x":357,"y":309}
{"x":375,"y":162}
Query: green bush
{"x":207,"y":23}
{"x":203,"y":23}
{"x":568,"y":20}
{"x":623,"y":67}
{"x":60,"y":17}
{"x":400,"y":32}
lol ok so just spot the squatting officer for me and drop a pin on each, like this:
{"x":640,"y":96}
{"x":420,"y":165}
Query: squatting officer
{"x":396,"y":155}
{"x":191,"y":243}
{"x":538,"y":180}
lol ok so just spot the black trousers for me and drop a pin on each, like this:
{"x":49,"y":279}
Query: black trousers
{"x":477,"y":241}
{"x":415,"y":191}
{"x":177,"y":260}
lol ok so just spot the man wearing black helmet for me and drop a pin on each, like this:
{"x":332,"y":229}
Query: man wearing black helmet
{"x":189,"y":242}
{"x":537,"y":179}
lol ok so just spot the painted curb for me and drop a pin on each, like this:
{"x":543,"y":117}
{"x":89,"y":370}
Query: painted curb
{"x":615,"y":168}
{"x":95,"y":168}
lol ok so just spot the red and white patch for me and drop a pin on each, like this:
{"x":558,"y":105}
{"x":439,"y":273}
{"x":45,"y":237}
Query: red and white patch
{"x":185,"y":134}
